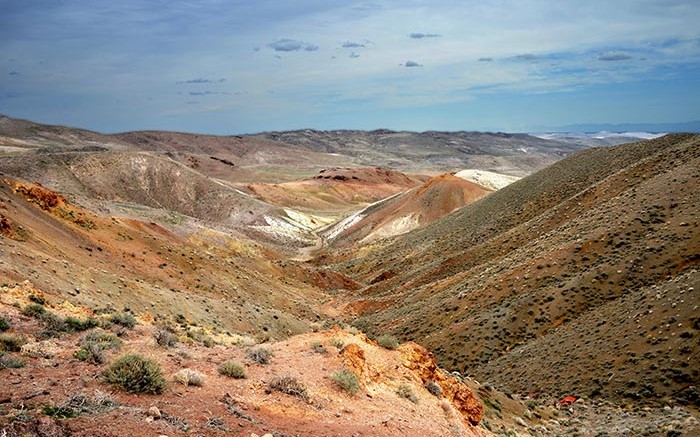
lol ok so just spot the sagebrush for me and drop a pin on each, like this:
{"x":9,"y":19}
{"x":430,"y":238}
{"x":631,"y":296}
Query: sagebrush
{"x":136,"y":374}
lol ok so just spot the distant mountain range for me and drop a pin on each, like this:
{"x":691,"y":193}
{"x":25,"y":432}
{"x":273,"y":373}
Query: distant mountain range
{"x":690,"y":126}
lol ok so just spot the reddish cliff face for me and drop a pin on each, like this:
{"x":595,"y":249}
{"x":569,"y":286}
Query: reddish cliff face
{"x":421,"y":370}
{"x":422,"y":362}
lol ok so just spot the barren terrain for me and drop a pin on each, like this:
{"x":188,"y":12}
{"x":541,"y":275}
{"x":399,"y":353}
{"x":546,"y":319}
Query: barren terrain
{"x":566,"y":302}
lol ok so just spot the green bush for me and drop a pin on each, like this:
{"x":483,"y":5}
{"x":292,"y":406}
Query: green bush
{"x":136,"y":374}
{"x":73,"y":324}
{"x":347,"y":381}
{"x":8,"y":362}
{"x":4,"y":324}
{"x":91,"y":352}
{"x":319,"y":348}
{"x":12,"y":342}
{"x":405,"y":391}
{"x":260,"y":355}
{"x":200,"y":337}
{"x":33,"y":310}
{"x":124,"y":319}
{"x":105,"y":339}
{"x":53,"y":325}
{"x":232,"y":369}
{"x":387,"y":341}
{"x":338,"y":343}
{"x":37,"y":299}
{"x":93,"y":346}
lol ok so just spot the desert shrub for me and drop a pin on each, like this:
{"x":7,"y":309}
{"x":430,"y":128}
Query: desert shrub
{"x":165,"y":338}
{"x":405,"y":391}
{"x":81,"y":404}
{"x":387,"y":341}
{"x":189,"y":377}
{"x":40,"y":349}
{"x":73,"y":324}
{"x":319,"y":348}
{"x":351,"y":330}
{"x":136,"y":374}
{"x":53,"y":325}
{"x":93,"y":346}
{"x":37,"y":299}
{"x":8,"y":362}
{"x":338,"y":343}
{"x":289,"y":385}
{"x":33,"y":310}
{"x":4,"y":324}
{"x":201,"y":338}
{"x":433,"y":388}
{"x":260,"y":355}
{"x":232,"y":369}
{"x":347,"y":381}
{"x":91,"y":352}
{"x":11,"y":342}
{"x":181,"y":320}
{"x":124,"y":319}
{"x":105,"y":339}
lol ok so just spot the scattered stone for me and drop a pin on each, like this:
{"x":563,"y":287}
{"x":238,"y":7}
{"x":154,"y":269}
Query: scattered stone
{"x":154,"y":412}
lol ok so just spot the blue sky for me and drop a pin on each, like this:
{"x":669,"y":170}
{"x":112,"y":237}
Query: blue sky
{"x":228,"y":67}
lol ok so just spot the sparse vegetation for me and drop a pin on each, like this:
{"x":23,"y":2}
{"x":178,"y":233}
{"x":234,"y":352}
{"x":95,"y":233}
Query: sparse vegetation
{"x":433,"y":388}
{"x":347,"y":381}
{"x":73,"y":324}
{"x":126,"y":320}
{"x":260,"y":355}
{"x":319,"y":348}
{"x":136,"y":374}
{"x":165,"y":338}
{"x":37,"y":299}
{"x":188,"y":377}
{"x":12,"y":342}
{"x":54,"y":324}
{"x":201,"y":338}
{"x":388,"y":341}
{"x":82,"y":404}
{"x":93,"y":346}
{"x":4,"y":324}
{"x":232,"y":369}
{"x":289,"y":385}
{"x":337,"y":343}
{"x":9,"y":362}
{"x":33,"y":310}
{"x":91,"y":352}
{"x":405,"y":391}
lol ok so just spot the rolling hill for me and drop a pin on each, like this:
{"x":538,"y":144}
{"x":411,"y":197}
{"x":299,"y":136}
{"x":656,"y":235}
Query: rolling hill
{"x":588,"y":267}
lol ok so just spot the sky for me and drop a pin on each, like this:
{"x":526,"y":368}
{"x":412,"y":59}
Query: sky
{"x":243,"y":66}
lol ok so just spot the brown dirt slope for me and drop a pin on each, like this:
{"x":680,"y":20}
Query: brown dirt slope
{"x":549,"y":261}
{"x":407,"y":211}
{"x":335,"y":191}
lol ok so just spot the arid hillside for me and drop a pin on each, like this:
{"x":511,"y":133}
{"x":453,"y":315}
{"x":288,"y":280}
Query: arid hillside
{"x":514,"y":154}
{"x":335,"y":192}
{"x":580,"y":279}
{"x":404,"y":212}
{"x":557,"y":299}
{"x":287,"y":156}
{"x":213,"y":277}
